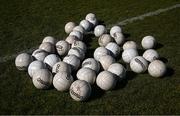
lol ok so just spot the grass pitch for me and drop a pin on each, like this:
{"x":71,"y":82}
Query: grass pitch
{"x":24,"y":23}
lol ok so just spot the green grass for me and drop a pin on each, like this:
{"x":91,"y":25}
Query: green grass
{"x":24,"y":23}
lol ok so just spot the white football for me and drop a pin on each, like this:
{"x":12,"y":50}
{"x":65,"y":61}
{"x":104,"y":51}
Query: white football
{"x":157,"y":68}
{"x":106,"y":80}
{"x":117,"y":69}
{"x":119,"y":38}
{"x":73,"y":61}
{"x":51,"y":60}
{"x":48,"y":47}
{"x":69,"y":27}
{"x":130,"y":45}
{"x":113,"y":48}
{"x":79,"y":28}
{"x":104,"y":40}
{"x":79,"y":44}
{"x":86,"y":25}
{"x":99,"y":52}
{"x":49,"y":39}
{"x":91,"y":18}
{"x":80,"y":90}
{"x":148,"y":42}
{"x":22,"y":61}
{"x":61,"y":67}
{"x":151,"y":55}
{"x":106,"y":61}
{"x":100,"y":30}
{"x":62,"y":47}
{"x":34,"y":66}
{"x":77,"y":34}
{"x":87,"y":75}
{"x":77,"y":52}
{"x":138,"y":64}
{"x":42,"y":79}
{"x":70,"y":39}
{"x":115,"y":29}
{"x":129,"y":54}
{"x":39,"y":54}
{"x":62,"y":81}
{"x":92,"y":64}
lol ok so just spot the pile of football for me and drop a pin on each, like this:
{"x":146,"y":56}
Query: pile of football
{"x":63,"y":64}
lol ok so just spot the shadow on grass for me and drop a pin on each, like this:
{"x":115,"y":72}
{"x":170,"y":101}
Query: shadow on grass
{"x":140,"y":52}
{"x":74,"y":74}
{"x":159,"y":45}
{"x":169,"y":72}
{"x":119,"y":57}
{"x":96,"y":92}
{"x":126,"y":36}
{"x":51,"y":88}
{"x":163,"y":59}
{"x":122,"y":84}
{"x":90,"y":53}
{"x":88,"y":39}
{"x":101,"y":22}
{"x":130,"y":75}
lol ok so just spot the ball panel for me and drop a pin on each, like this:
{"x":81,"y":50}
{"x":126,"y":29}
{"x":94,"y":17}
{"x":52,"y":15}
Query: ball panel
{"x":87,"y":75}
{"x":69,"y":27}
{"x":138,"y":64}
{"x":106,"y":80}
{"x":118,"y":70}
{"x":62,"y":81}
{"x":42,"y":79}
{"x":80,"y":90}
{"x":157,"y":68}
{"x":22,"y":61}
{"x":99,"y":52}
{"x":99,"y":30}
{"x":92,"y":64}
{"x":129,"y":54}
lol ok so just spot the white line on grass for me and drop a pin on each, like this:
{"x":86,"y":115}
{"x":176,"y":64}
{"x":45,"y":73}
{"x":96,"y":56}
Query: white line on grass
{"x":124,"y":22}
{"x":149,"y":14}
{"x":10,"y":57}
